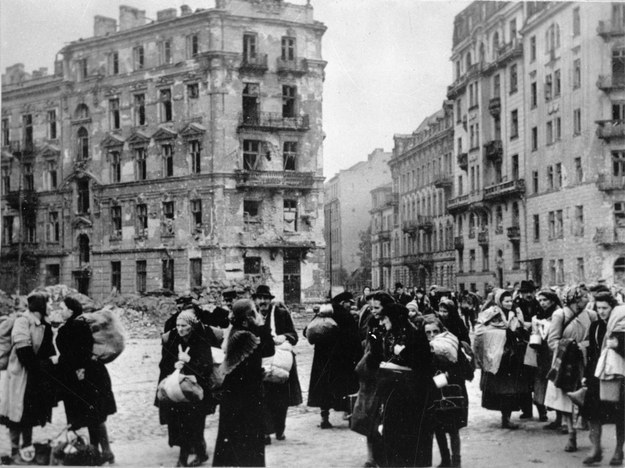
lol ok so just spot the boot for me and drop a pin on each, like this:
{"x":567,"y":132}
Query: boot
{"x":571,"y":445}
{"x":455,"y":461}
{"x":505,"y":422}
{"x":325,"y":420}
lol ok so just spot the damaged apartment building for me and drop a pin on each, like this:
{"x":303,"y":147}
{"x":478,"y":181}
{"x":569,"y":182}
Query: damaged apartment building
{"x":170,"y":154}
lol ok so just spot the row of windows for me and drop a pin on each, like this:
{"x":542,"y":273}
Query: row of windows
{"x":485,"y":257}
{"x":166,"y":55}
{"x":424,"y":174}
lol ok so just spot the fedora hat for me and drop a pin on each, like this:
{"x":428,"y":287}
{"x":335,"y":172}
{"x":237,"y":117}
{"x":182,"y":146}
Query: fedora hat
{"x":263,"y":291}
{"x":527,"y":286}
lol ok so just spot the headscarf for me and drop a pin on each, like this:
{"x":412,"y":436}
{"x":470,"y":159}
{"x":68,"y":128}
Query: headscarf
{"x":188,"y":316}
{"x":413,"y":306}
{"x":397,"y":314}
{"x":38,"y":302}
{"x":572,"y":294}
{"x":500,"y":294}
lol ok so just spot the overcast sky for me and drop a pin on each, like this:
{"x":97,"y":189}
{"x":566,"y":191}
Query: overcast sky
{"x":388,"y":60}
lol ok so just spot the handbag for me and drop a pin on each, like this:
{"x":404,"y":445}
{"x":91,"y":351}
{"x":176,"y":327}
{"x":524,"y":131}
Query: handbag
{"x":180,"y":388}
{"x":450,"y":409}
{"x":278,"y":367}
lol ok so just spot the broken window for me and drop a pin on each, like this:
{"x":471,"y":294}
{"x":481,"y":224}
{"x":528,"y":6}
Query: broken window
{"x":168,"y":274}
{"x":290,"y":215}
{"x":619,"y":215}
{"x":82,"y":152}
{"x":288,"y":48}
{"x":195,"y":272}
{"x":249,"y":48}
{"x":251,"y":212}
{"x":29,"y":178}
{"x":7,"y":230}
{"x":116,"y":222}
{"x":116,"y":166}
{"x":82,"y":190}
{"x":52,"y":124}
{"x":53,"y":227}
{"x":140,"y":164}
{"x":51,"y":175}
{"x":142,"y":275}
{"x":114,"y":63}
{"x":142,"y":220}
{"x":6,"y":180}
{"x":196,"y":214}
{"x":138,"y":58}
{"x":195,"y":151}
{"x":139,"y":109}
{"x":167,"y":154}
{"x":168,"y":218}
{"x":251,"y":103}
{"x":53,"y":274}
{"x":83,"y":249}
{"x":251,"y":154}
{"x":116,"y":276}
{"x":165,"y":105}
{"x":114,"y":117}
{"x":289,"y":154}
{"x":252,"y":265}
{"x":288,"y":101}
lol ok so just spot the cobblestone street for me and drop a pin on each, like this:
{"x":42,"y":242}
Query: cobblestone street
{"x":139,"y":440}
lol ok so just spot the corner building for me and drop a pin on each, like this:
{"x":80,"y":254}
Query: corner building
{"x":170,"y":154}
{"x":421,"y":166}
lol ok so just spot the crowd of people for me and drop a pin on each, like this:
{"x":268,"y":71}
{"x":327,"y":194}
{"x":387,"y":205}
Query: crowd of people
{"x":394,"y":363}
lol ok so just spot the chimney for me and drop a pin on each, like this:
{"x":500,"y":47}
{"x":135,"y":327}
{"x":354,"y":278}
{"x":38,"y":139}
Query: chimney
{"x":130,"y":17}
{"x":164,"y":15}
{"x":103,"y":26}
{"x":185,"y":10}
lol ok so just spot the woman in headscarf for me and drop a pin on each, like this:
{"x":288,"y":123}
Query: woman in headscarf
{"x":26,"y":397}
{"x":187,"y":348}
{"x":241,"y":433}
{"x":549,"y":302}
{"x":570,"y":323}
{"x":86,"y":388}
{"x":607,"y":338}
{"x":402,"y":431}
{"x":455,"y":376}
{"x":499,"y":350}
{"x":448,"y":315}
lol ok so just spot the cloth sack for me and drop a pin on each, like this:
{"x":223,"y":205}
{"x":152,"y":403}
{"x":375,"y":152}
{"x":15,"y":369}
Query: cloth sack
{"x":531,"y":356}
{"x":278,"y":367}
{"x":108,"y":334}
{"x":445,"y":347}
{"x":6,"y":326}
{"x":610,"y":390}
{"x":321,"y":328}
{"x":180,"y":388}
{"x":75,"y":451}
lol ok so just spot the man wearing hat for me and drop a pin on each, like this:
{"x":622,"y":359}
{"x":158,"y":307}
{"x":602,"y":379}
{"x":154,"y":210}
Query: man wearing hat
{"x":332,"y":377}
{"x":278,"y":397}
{"x":400,"y":296}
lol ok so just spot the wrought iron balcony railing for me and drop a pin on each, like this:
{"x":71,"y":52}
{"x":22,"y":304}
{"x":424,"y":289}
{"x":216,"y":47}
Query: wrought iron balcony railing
{"x":275,"y":179}
{"x":273,"y":121}
{"x":511,"y":188}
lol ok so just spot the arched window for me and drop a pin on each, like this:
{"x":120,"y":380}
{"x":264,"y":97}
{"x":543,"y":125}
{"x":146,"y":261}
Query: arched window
{"x":82,"y":149}
{"x":81,"y":112}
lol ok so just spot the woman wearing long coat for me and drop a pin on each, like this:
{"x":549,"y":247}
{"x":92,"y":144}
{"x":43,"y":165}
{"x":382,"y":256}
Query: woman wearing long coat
{"x":188,"y":347}
{"x":333,"y":376}
{"x":85,"y":387}
{"x":572,"y":322}
{"x":606,"y":333}
{"x":241,"y":433}
{"x":26,"y":398}
{"x":278,"y":397}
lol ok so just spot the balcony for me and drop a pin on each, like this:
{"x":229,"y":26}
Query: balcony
{"x":425,"y":223}
{"x":384,"y":261}
{"x":509,"y":51}
{"x":609,"y":129}
{"x":608,"y":183}
{"x":458,"y":203}
{"x":410,"y":259}
{"x":273,"y":121}
{"x":608,"y":237}
{"x":493,"y":150}
{"x":494,"y":106}
{"x":256,"y":64}
{"x":482,"y":237}
{"x":608,"y":29}
{"x":458,"y":242}
{"x":410,"y":227}
{"x":276,"y":180}
{"x":443,"y":181}
{"x":512,"y":188}
{"x":295,"y":67}
{"x":514,"y":233}
{"x":463,"y":161}
{"x":457,"y":87}
{"x":607,"y":83}
{"x":384,"y":234}
{"x":424,"y":257}
{"x":393,"y":199}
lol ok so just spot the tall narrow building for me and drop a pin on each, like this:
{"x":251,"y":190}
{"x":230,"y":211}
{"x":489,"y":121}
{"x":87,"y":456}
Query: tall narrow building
{"x":171,"y":154}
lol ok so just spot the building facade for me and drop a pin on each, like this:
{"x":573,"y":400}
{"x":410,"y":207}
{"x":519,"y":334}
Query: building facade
{"x":421,"y":167}
{"x":171,"y":153}
{"x":384,"y":222}
{"x":347,"y":216}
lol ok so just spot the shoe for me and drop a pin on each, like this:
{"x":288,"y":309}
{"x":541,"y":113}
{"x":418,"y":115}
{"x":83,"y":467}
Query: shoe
{"x":591,"y":460}
{"x":444,"y":464}
{"x":543,"y":418}
{"x":267,"y":440}
{"x":616,"y":460}
{"x":571,"y":446}
{"x":325,"y":424}
{"x":456,"y":461}
{"x":107,"y":457}
{"x":280,"y":436}
{"x":526,"y":416}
